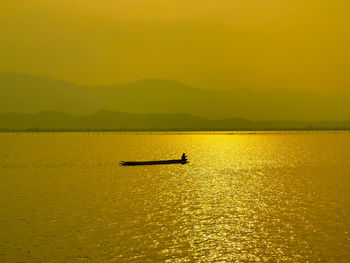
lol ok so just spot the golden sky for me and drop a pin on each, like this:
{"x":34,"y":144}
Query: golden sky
{"x":260,"y":44}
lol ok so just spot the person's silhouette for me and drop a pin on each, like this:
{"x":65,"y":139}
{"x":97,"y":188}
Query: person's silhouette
{"x":183,"y":157}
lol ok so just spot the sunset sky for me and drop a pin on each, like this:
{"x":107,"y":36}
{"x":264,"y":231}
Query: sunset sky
{"x":216,"y":44}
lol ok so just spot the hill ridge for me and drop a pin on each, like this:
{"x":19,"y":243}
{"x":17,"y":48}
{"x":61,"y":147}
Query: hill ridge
{"x":156,"y":121}
{"x":24,"y":93}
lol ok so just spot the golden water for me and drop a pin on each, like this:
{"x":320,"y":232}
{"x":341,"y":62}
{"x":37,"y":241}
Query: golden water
{"x":243,"y":198}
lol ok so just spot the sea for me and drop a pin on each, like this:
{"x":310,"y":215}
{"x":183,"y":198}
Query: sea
{"x":243,"y":197}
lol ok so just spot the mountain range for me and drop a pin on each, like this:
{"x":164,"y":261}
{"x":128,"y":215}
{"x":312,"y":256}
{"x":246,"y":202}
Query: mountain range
{"x":26,"y":94}
{"x":50,"y":120}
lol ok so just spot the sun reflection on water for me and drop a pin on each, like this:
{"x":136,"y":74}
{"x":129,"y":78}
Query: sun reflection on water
{"x":242,"y":198}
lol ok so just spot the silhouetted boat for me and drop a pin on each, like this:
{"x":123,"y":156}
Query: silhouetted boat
{"x":177,"y":161}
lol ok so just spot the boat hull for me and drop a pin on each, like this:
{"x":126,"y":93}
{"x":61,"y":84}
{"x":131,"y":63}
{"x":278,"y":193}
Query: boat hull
{"x":154,"y":162}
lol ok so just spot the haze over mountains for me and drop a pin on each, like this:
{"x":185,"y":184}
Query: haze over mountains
{"x":20,"y":93}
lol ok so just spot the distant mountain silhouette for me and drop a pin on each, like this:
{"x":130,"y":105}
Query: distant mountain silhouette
{"x":116,"y":120}
{"x":21,"y":93}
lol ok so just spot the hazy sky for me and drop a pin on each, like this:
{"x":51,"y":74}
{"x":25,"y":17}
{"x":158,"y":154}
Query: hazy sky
{"x":261,"y":44}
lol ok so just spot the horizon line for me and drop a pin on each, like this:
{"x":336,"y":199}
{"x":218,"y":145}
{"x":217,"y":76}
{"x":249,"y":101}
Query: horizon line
{"x":171,"y":114}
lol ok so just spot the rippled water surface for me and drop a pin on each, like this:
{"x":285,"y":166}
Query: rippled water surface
{"x":243,"y":198}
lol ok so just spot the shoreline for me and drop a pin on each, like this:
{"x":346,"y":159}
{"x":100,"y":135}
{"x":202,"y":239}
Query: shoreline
{"x":181,"y":131}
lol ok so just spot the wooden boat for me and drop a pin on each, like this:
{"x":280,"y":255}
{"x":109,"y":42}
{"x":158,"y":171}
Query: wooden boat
{"x":178,"y":161}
